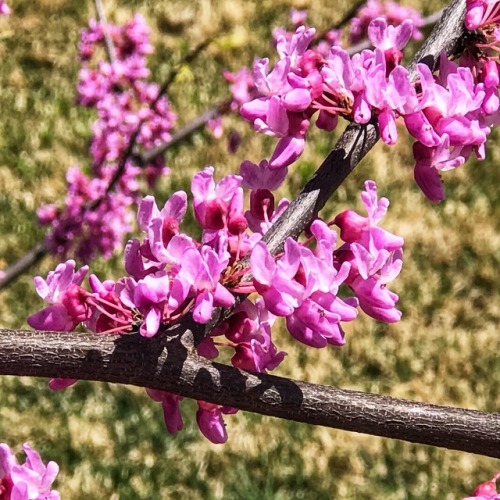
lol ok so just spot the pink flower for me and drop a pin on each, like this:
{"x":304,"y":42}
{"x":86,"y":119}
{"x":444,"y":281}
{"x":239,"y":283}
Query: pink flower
{"x":200,"y":274}
{"x":261,"y":176}
{"x":4,"y":8}
{"x":481,"y":14}
{"x":171,"y":412}
{"x":63,"y":291}
{"x":374,"y":255}
{"x":210,"y":422}
{"x":150,"y":296}
{"x":486,"y":491}
{"x":249,"y":330}
{"x":211,"y":201}
{"x":393,"y":12}
{"x":30,"y":481}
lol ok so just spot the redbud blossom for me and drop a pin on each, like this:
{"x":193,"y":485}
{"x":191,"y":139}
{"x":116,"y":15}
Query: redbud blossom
{"x":486,"y":491}
{"x":30,"y":481}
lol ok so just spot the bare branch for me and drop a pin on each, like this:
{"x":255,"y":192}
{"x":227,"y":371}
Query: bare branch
{"x":30,"y":258}
{"x":107,"y":38}
{"x":168,"y":362}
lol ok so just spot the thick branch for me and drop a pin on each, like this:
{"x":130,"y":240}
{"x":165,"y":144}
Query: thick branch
{"x":167,"y":362}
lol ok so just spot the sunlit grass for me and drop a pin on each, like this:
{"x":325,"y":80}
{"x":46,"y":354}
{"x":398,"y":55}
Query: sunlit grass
{"x":110,"y":441}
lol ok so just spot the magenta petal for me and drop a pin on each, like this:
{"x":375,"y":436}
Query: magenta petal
{"x":387,"y":126}
{"x":48,"y":478}
{"x":326,"y":121}
{"x":147,"y":211}
{"x":376,"y":31}
{"x":7,"y":460}
{"x":402,"y":34}
{"x":287,"y":151}
{"x":420,"y":128}
{"x":222,"y":296}
{"x":19,"y":491}
{"x":54,"y":317}
{"x":277,"y":117}
{"x":262,"y":264}
{"x":257,"y":108}
{"x":474,"y":15}
{"x":172,"y":414}
{"x":151,"y":324}
{"x":212,"y":425}
{"x":57,"y":384}
{"x":304,"y":334}
{"x":175,"y":207}
{"x":297,"y":100}
{"x":203,"y":308}
{"x":429,"y":181}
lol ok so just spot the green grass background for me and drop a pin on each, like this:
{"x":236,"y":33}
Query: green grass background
{"x":110,"y":440}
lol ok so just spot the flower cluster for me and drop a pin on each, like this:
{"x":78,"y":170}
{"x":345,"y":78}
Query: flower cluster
{"x":394,"y":13}
{"x":96,"y":216}
{"x":243,"y":86}
{"x":30,"y":481}
{"x":169,"y":274}
{"x":374,"y":254}
{"x":450,"y":114}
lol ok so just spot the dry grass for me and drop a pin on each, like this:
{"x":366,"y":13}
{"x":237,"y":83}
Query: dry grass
{"x":109,"y":440}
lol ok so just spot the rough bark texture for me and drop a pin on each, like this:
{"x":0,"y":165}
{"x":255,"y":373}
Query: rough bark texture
{"x":168,"y":362}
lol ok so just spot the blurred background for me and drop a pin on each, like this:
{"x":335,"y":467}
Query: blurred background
{"x":110,"y":441}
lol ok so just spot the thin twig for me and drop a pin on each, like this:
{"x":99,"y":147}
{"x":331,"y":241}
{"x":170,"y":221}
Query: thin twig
{"x":30,"y":258}
{"x":342,"y":22}
{"x":187,"y":59}
{"x":107,"y":37}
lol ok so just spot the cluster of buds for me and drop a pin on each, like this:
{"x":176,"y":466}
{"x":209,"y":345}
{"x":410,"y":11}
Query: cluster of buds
{"x":96,"y":215}
{"x":170,"y":274}
{"x":450,"y":113}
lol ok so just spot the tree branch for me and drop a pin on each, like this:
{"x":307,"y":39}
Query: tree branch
{"x":168,"y":362}
{"x":185,"y":132}
{"x":107,"y":38}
